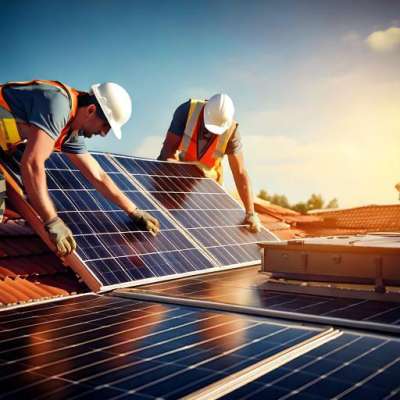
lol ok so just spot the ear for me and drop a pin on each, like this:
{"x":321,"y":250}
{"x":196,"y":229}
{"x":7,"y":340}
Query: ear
{"x":91,"y":109}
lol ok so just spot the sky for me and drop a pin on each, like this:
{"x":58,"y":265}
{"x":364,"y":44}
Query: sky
{"x":316,"y":84}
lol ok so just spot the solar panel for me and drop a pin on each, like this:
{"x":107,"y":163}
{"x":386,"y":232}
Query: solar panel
{"x":201,"y":207}
{"x":246,"y":288}
{"x":116,"y":252}
{"x":104,"y":346}
{"x":350,"y":367}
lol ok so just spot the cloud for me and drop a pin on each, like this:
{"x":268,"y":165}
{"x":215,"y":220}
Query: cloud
{"x":384,"y":41}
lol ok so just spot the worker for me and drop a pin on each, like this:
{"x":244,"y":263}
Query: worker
{"x":50,"y":116}
{"x":203,"y":132}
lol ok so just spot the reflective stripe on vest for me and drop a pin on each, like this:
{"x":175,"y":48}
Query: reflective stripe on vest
{"x":8,"y":130}
{"x":2,"y":195}
{"x":211,"y":161}
{"x":9,"y":135}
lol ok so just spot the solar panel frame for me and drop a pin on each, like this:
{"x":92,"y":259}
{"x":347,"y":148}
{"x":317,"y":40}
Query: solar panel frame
{"x":205,"y":236}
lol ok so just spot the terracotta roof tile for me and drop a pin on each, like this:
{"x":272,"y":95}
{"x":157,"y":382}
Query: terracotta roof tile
{"x":20,"y":290}
{"x":32,"y":265}
{"x":334,"y":222}
{"x":371,"y":217}
{"x":28,"y":270}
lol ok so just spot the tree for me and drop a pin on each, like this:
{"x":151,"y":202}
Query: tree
{"x":300,"y":207}
{"x":315,"y":202}
{"x":280,"y":200}
{"x":264,"y":195}
{"x":333,"y":203}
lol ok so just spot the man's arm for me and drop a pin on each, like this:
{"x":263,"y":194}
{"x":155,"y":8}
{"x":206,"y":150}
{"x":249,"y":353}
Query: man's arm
{"x":95,"y":174}
{"x":38,"y":149}
{"x":243,"y":186}
{"x":170,"y":146}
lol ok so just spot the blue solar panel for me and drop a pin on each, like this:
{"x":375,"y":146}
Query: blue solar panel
{"x":201,"y":225}
{"x":104,"y":346}
{"x":201,"y":207}
{"x":352,"y":366}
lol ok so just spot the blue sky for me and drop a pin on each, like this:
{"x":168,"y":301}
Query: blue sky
{"x":318,"y":104}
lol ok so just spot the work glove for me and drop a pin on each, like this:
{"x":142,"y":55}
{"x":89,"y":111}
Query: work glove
{"x":145,"y":221}
{"x":61,"y":236}
{"x":253,"y":222}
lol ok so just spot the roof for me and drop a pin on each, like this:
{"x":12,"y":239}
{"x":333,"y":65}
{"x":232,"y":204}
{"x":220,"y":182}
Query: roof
{"x":29,"y":271}
{"x":372,"y":217}
{"x":102,"y":346}
{"x":287,"y":224}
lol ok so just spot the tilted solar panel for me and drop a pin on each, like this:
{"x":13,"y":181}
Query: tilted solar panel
{"x":201,"y":207}
{"x":200,"y":227}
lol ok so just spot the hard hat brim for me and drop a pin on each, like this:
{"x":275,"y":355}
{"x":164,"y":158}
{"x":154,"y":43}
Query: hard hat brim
{"x":217,"y":129}
{"x":116,"y":130}
{"x":114,"y":126}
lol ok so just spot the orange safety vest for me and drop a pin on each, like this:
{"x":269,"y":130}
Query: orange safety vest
{"x":9,"y":135}
{"x":211,"y":161}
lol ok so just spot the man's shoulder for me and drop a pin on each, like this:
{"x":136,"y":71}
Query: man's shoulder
{"x":183,"y":108}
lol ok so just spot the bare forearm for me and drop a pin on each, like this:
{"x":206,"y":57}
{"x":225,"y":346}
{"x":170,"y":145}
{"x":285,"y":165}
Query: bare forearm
{"x":244,"y":189}
{"x":34,"y":179}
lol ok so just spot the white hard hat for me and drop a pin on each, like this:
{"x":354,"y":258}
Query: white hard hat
{"x":115,"y":103}
{"x":218,"y":113}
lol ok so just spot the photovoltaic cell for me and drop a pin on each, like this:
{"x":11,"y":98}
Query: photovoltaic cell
{"x":201,"y":207}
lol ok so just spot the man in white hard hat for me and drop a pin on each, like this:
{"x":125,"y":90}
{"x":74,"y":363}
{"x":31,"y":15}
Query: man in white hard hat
{"x":204,"y":131}
{"x":50,"y":116}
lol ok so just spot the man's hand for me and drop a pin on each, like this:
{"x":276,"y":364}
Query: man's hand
{"x":145,"y":221}
{"x":61,"y":236}
{"x":253,"y":222}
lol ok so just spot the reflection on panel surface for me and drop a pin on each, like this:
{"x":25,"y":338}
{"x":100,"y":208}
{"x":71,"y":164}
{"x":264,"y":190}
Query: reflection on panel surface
{"x":116,"y":345}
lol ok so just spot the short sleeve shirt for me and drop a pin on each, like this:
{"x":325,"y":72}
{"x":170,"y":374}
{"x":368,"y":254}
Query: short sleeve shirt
{"x":47,"y":107}
{"x":178,"y":125}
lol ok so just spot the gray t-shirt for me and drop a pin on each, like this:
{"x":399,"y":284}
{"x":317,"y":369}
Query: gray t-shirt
{"x":178,"y":125}
{"x":47,"y":107}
